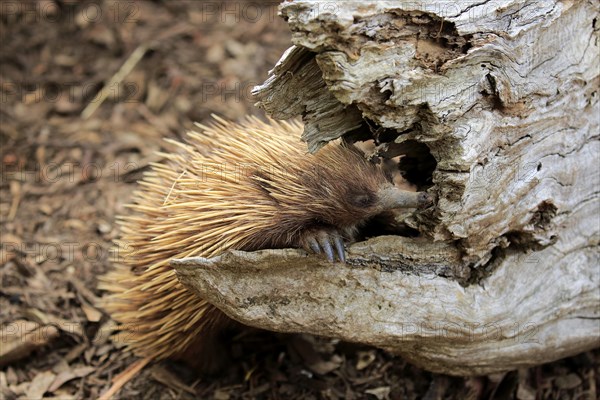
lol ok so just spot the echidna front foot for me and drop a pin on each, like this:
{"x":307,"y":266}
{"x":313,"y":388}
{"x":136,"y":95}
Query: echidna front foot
{"x":325,"y":241}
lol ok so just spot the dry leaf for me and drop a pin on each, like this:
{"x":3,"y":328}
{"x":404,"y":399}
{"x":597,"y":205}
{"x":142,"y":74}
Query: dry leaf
{"x":70,"y":327}
{"x":323,"y":367}
{"x":570,"y":381}
{"x":91,"y":313}
{"x":222,"y":394}
{"x":168,"y":379}
{"x":66,"y":376}
{"x":382,"y":393}
{"x":365,"y":358}
{"x":40,"y":384}
{"x":21,"y":337}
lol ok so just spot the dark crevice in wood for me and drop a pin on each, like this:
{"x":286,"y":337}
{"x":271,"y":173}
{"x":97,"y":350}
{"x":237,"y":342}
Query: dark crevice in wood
{"x":416,"y":164}
{"x":521,"y":242}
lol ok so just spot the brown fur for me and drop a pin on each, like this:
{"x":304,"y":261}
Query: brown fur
{"x":246,"y":187}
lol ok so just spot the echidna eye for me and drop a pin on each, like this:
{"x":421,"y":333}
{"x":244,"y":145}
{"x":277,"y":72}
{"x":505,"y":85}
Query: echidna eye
{"x":363,"y":200}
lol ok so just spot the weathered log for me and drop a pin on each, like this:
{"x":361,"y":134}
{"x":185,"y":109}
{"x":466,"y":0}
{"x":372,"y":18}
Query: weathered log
{"x":503,"y":96}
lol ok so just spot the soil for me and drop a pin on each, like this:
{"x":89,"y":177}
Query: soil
{"x":70,"y":161}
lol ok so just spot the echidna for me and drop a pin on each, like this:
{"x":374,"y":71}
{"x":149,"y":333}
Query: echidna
{"x":247,"y":187}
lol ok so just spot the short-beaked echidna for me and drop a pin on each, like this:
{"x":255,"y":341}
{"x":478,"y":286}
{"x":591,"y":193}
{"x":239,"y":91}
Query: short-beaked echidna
{"x":241,"y":186}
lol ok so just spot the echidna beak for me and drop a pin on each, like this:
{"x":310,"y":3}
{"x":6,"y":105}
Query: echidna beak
{"x":392,"y":197}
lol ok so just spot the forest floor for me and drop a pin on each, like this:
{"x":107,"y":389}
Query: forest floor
{"x":70,"y":161}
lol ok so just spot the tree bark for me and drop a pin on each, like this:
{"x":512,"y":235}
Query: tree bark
{"x":504,"y":97}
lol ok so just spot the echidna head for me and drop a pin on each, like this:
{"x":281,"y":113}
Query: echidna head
{"x":352,"y":190}
{"x":364,"y":201}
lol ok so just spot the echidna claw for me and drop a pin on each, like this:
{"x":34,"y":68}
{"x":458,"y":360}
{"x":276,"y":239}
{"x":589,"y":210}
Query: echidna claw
{"x":339,"y":246}
{"x":326,"y":245}
{"x":325,"y":242}
{"x":314,"y":245}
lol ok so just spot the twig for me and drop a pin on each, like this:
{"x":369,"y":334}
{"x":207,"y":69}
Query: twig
{"x":125,"y":69}
{"x":15,"y":188}
{"x":120,"y":380}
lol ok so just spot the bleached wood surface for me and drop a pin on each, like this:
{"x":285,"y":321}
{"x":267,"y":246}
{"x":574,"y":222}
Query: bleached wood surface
{"x":505,"y":95}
